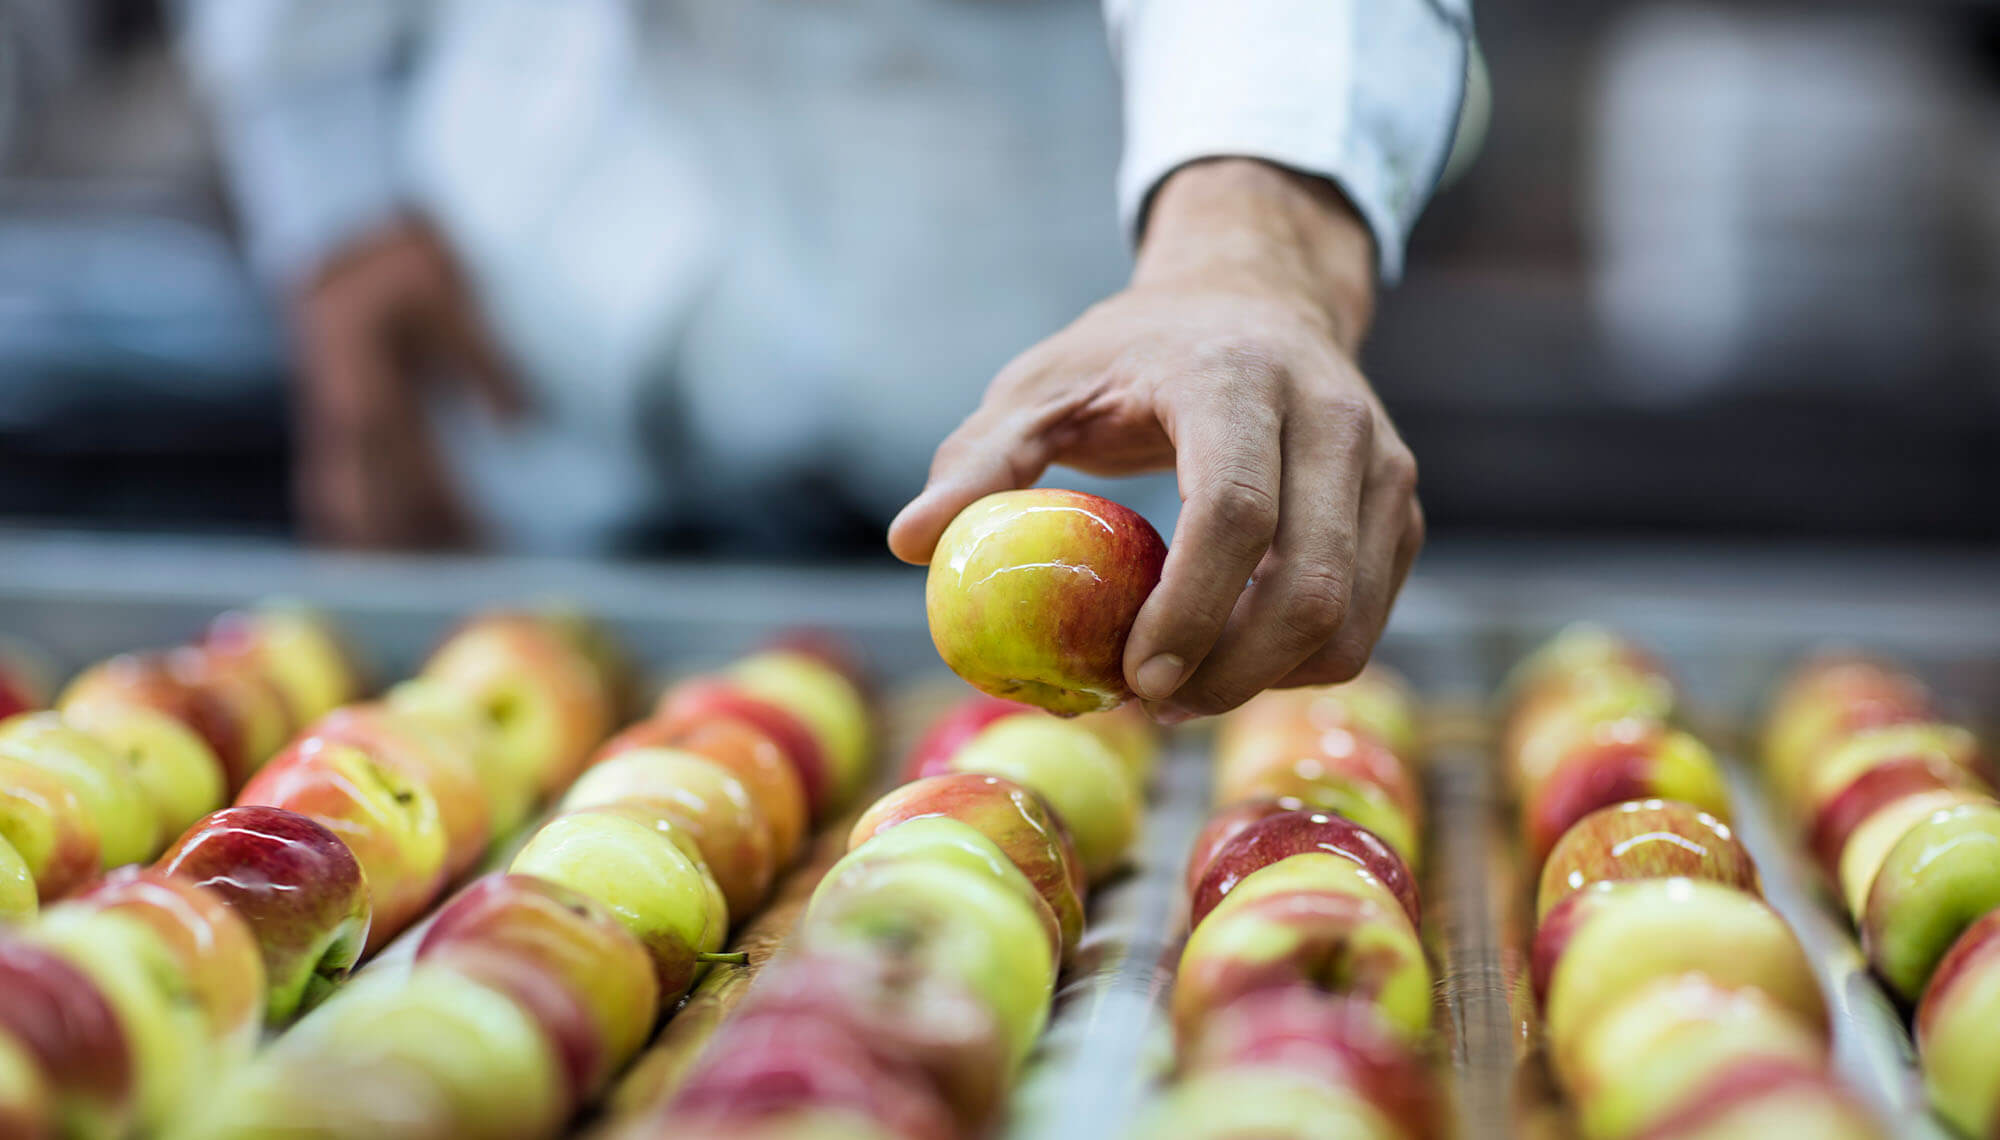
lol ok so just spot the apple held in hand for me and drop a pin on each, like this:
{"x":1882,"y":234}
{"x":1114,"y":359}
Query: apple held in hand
{"x":1315,"y":919}
{"x":44,"y":820}
{"x":1644,"y":839}
{"x":1285,"y":834}
{"x":1658,"y":1047}
{"x":1939,"y":878}
{"x":127,"y":829}
{"x":406,"y":745}
{"x":1074,"y":772}
{"x":1765,"y":1099}
{"x":702,"y":799}
{"x":1957,"y":1029}
{"x":1264,"y":1101}
{"x":1031,"y":595}
{"x":949,"y":919}
{"x":1621,"y":760}
{"x":390,"y":822}
{"x":569,"y":940}
{"x":294,"y":884}
{"x":900,"y":1009}
{"x":298,"y":648}
{"x":663,"y":895}
{"x":544,"y":696}
{"x":1011,"y":816}
{"x":213,"y":947}
{"x":692,"y":704}
{"x":1612,"y":938}
{"x":749,"y":754}
{"x":1339,"y":1039}
{"x":176,"y":770}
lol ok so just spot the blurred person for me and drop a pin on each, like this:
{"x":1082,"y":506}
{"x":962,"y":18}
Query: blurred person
{"x":738,"y":263}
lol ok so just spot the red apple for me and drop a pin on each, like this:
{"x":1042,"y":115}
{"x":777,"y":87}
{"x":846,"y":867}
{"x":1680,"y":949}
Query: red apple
{"x":1620,"y":760}
{"x":1335,"y":769}
{"x":825,"y":701}
{"x":407,"y":745}
{"x":1017,"y":820}
{"x":693,"y":702}
{"x":931,"y":756}
{"x":1644,"y":839}
{"x":1031,"y":595}
{"x":571,"y":941}
{"x":65,"y":1023}
{"x":295,"y":884}
{"x":1378,"y":703}
{"x":45,"y":822}
{"x":298,"y":648}
{"x":749,"y":753}
{"x":162,"y":682}
{"x":1769,"y":1098}
{"x":544,"y":694}
{"x":1954,"y":1029}
{"x":26,"y":1111}
{"x":1285,"y":834}
{"x":217,"y":953}
{"x":1826,"y":700}
{"x":901,"y":1010}
{"x":1224,"y":826}
{"x":389,"y":821}
{"x":1337,"y":1038}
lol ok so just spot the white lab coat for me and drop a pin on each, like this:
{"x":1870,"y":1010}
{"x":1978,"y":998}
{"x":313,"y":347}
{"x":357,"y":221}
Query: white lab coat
{"x":730,"y":238}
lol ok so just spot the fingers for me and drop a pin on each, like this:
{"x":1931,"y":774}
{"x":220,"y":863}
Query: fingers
{"x":470,"y":346}
{"x":991,"y":451}
{"x":1391,"y":534}
{"x":1226,"y":440}
{"x":1302,"y":592}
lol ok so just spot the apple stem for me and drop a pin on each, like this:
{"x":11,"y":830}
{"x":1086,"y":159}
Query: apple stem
{"x":738,"y":958}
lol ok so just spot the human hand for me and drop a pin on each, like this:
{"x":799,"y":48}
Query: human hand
{"x":381,"y":322}
{"x":1230,"y":359}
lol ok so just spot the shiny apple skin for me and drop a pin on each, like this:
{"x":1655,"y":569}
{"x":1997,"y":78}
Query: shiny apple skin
{"x":1775,"y":1097}
{"x":217,"y":952}
{"x":67,"y":1025}
{"x":544,"y":694}
{"x":44,"y":820}
{"x":1619,"y":761}
{"x":1644,"y":839}
{"x":1032,"y":594}
{"x":1955,"y":1030}
{"x":931,"y":756}
{"x":299,"y":889}
{"x":691,"y":703}
{"x":747,"y":752}
{"x":1284,"y":834}
{"x":1939,"y":878}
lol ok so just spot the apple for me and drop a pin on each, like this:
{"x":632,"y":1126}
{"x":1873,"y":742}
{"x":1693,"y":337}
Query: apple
{"x":1264,"y":1101}
{"x":508,"y":783}
{"x":127,"y":828}
{"x":1378,"y":703}
{"x":949,"y":919}
{"x":1284,"y":834}
{"x":1871,"y":840}
{"x":944,"y":840}
{"x":779,"y":1065}
{"x":703,"y":799}
{"x":749,"y":753}
{"x":56,"y":1015}
{"x":213,"y":946}
{"x":1939,"y":878}
{"x":1009,"y":815}
{"x":1611,"y":938}
{"x":1316,"y":919}
{"x":18,"y":899}
{"x":43,"y":819}
{"x":26,"y":1108}
{"x":830,"y":706}
{"x":298,"y":648}
{"x":572,"y":941}
{"x":162,"y":1019}
{"x":408,"y":746}
{"x":1769,"y":1098}
{"x":166,"y":684}
{"x":544,"y":696}
{"x":24,"y":678}
{"x":389,"y":821}
{"x":1644,"y":839}
{"x":666,"y":898}
{"x":901,"y":1010}
{"x":1879,"y":788}
{"x":1307,"y":760}
{"x":1537,"y":739}
{"x":249,"y":698}
{"x":1659,"y":1045}
{"x":932,"y":753}
{"x":1621,"y":760}
{"x":176,"y":770}
{"x":1827,"y":700}
{"x":1341,"y":1039}
{"x":1876,"y":765}
{"x":705,"y":699}
{"x":1031,"y":595}
{"x":431,"y":1055}
{"x":1954,"y":1030}
{"x":830,"y":649}
{"x":1074,"y":771}
{"x":1578,"y":650}
{"x":296,"y":886}
{"x":606,"y":655}
{"x":1225,"y":825}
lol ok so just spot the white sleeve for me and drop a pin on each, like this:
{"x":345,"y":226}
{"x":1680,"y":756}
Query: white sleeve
{"x":1366,"y":93}
{"x":305,"y":95}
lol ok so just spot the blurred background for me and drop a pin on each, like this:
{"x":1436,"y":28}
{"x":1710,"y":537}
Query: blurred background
{"x":1721,"y":269}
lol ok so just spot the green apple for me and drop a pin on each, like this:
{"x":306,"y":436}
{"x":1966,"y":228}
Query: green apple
{"x":1939,"y":878}
{"x":1074,"y":770}
{"x":506,"y":775}
{"x":666,"y":898}
{"x":128,"y":829}
{"x":46,"y":823}
{"x":1261,"y":1101}
{"x":176,"y":769}
{"x":543,"y":695}
{"x":942,"y":839}
{"x":1956,"y":1027}
{"x":829,"y":704}
{"x":1871,"y":841}
{"x":18,"y":899}
{"x":950,"y":918}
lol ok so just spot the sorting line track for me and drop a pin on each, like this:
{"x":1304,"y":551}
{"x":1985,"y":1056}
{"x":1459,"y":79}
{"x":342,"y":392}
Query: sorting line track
{"x":1476,"y":1021}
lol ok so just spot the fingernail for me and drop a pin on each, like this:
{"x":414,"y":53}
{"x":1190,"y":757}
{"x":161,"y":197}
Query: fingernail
{"x":1167,"y":716}
{"x":1160,"y":676}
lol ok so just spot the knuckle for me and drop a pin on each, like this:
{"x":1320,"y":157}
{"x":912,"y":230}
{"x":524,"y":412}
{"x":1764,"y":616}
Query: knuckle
{"x":1315,"y":604}
{"x":1417,"y":530}
{"x":1398,"y":468}
{"x":1243,"y":506}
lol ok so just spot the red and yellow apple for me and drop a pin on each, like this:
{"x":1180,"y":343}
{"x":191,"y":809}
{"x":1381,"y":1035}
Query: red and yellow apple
{"x":1644,"y":839}
{"x":508,"y":781}
{"x":70,"y":1032}
{"x":1939,"y":878}
{"x":1378,"y":703}
{"x":1032,"y":594}
{"x":748,"y":753}
{"x":128,"y":830}
{"x":408,"y":746}
{"x":544,"y":696}
{"x":1617,"y":761}
{"x":297,"y":887}
{"x":176,"y":770}
{"x":1955,"y":1029}
{"x":1824,"y":701}
{"x":231,"y":711}
{"x":1265,"y":1101}
{"x":1768,"y":1098}
{"x":1874,"y":766}
{"x":1074,"y":772}
{"x":828,"y":704}
{"x":1871,"y":840}
{"x":1284,"y":834}
{"x":693,"y":703}
{"x":44,"y":820}
{"x":943,"y":840}
{"x":298,"y":648}
{"x":18,"y":898}
{"x":27,"y":1109}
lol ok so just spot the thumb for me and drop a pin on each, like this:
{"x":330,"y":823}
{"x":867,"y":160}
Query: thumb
{"x":985,"y":455}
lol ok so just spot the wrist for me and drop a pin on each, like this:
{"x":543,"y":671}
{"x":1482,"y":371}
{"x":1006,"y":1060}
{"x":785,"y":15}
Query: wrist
{"x":1250,"y":224}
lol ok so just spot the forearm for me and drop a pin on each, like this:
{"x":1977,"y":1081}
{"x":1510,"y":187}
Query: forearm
{"x":1249,"y":224}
